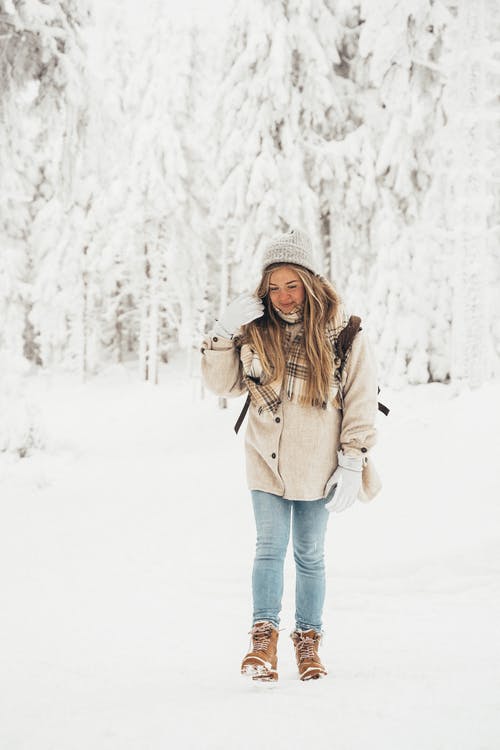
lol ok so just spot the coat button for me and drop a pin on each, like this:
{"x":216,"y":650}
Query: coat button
{"x":273,"y":455}
{"x":277,"y":419}
{"x":214,"y":338}
{"x":364,"y":450}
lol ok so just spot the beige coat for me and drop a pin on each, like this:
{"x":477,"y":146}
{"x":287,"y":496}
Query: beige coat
{"x":293,"y":452}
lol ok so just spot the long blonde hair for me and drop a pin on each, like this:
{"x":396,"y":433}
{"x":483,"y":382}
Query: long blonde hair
{"x":322,"y":305}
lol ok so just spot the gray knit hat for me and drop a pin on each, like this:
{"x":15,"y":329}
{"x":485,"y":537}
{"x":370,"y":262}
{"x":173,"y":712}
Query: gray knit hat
{"x":291,"y":247}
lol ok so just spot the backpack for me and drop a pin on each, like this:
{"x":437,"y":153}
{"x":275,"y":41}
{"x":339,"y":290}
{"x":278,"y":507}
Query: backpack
{"x":342,"y":347}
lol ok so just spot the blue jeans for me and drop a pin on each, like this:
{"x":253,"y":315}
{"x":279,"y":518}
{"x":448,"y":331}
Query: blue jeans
{"x":272,"y":518}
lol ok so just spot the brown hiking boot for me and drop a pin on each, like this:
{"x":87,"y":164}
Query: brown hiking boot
{"x":261,"y":661}
{"x":306,"y":644}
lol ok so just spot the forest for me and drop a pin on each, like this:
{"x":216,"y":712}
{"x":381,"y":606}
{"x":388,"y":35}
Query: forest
{"x":146,"y":159}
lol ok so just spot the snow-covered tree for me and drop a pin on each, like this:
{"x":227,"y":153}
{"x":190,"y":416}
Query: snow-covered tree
{"x":144,"y":163}
{"x":42,"y":104}
{"x":279,"y":104}
{"x":397,"y":71}
{"x":473,"y":115}
{"x":21,"y":427}
{"x":150,"y":232}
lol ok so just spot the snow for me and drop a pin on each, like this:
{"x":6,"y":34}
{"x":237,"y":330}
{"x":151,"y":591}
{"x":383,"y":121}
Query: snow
{"x":141,"y":179}
{"x":125,"y":559}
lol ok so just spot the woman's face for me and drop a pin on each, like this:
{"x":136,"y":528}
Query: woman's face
{"x":286,"y":290}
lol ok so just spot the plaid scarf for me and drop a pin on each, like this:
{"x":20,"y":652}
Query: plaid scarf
{"x":267,"y":397}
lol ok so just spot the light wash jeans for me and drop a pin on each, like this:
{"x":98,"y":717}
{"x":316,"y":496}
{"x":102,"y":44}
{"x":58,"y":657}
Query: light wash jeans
{"x":272,"y":518}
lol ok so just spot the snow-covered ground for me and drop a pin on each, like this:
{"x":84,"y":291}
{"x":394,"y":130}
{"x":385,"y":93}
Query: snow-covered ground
{"x":125,"y":562}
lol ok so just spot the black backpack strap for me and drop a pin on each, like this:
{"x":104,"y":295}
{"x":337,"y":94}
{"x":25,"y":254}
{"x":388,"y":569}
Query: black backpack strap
{"x":342,"y":345}
{"x":382,"y":407}
{"x":344,"y":341}
{"x":243,"y":414}
{"x":346,"y":337}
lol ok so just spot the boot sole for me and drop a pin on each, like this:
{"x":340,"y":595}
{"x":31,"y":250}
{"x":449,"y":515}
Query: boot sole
{"x":313,"y":673}
{"x":259,"y":672}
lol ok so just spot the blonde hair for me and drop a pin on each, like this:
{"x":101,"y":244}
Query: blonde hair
{"x":265,"y":335}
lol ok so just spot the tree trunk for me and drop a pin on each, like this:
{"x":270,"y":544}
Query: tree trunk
{"x":145,"y":319}
{"x":153,"y":320}
{"x":224,"y":290}
{"x":84,"y":322}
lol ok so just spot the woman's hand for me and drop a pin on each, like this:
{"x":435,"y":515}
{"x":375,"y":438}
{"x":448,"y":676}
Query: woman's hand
{"x":347,"y":482}
{"x":245,"y":308}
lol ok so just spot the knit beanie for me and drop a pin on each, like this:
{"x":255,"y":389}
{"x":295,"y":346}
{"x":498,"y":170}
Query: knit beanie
{"x":291,"y":247}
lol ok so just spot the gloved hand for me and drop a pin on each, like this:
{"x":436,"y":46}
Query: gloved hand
{"x":347,"y":478}
{"x":245,"y":308}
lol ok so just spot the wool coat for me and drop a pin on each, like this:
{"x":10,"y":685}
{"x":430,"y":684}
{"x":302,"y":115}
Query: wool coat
{"x":293,"y":452}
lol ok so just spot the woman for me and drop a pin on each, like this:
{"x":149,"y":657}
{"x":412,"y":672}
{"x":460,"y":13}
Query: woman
{"x":309,"y":431}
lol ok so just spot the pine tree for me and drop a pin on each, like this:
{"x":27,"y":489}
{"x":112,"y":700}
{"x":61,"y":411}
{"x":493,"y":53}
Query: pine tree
{"x":279,"y":104}
{"x":397,"y":67}
{"x":43,"y":88}
{"x":112,"y":61}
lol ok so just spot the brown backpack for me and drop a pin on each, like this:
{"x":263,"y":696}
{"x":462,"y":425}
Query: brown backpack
{"x":342,"y":345}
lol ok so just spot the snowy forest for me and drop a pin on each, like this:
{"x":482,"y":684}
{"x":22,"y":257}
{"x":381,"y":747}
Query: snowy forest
{"x":148,"y":151}
{"x":146,"y":158}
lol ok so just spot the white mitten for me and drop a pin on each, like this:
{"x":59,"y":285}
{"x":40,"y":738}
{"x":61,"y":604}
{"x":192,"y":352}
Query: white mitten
{"x":245,"y":308}
{"x":347,"y":478}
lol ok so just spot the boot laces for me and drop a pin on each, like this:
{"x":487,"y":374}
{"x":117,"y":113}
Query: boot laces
{"x":305,"y":647}
{"x":261,"y":637}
